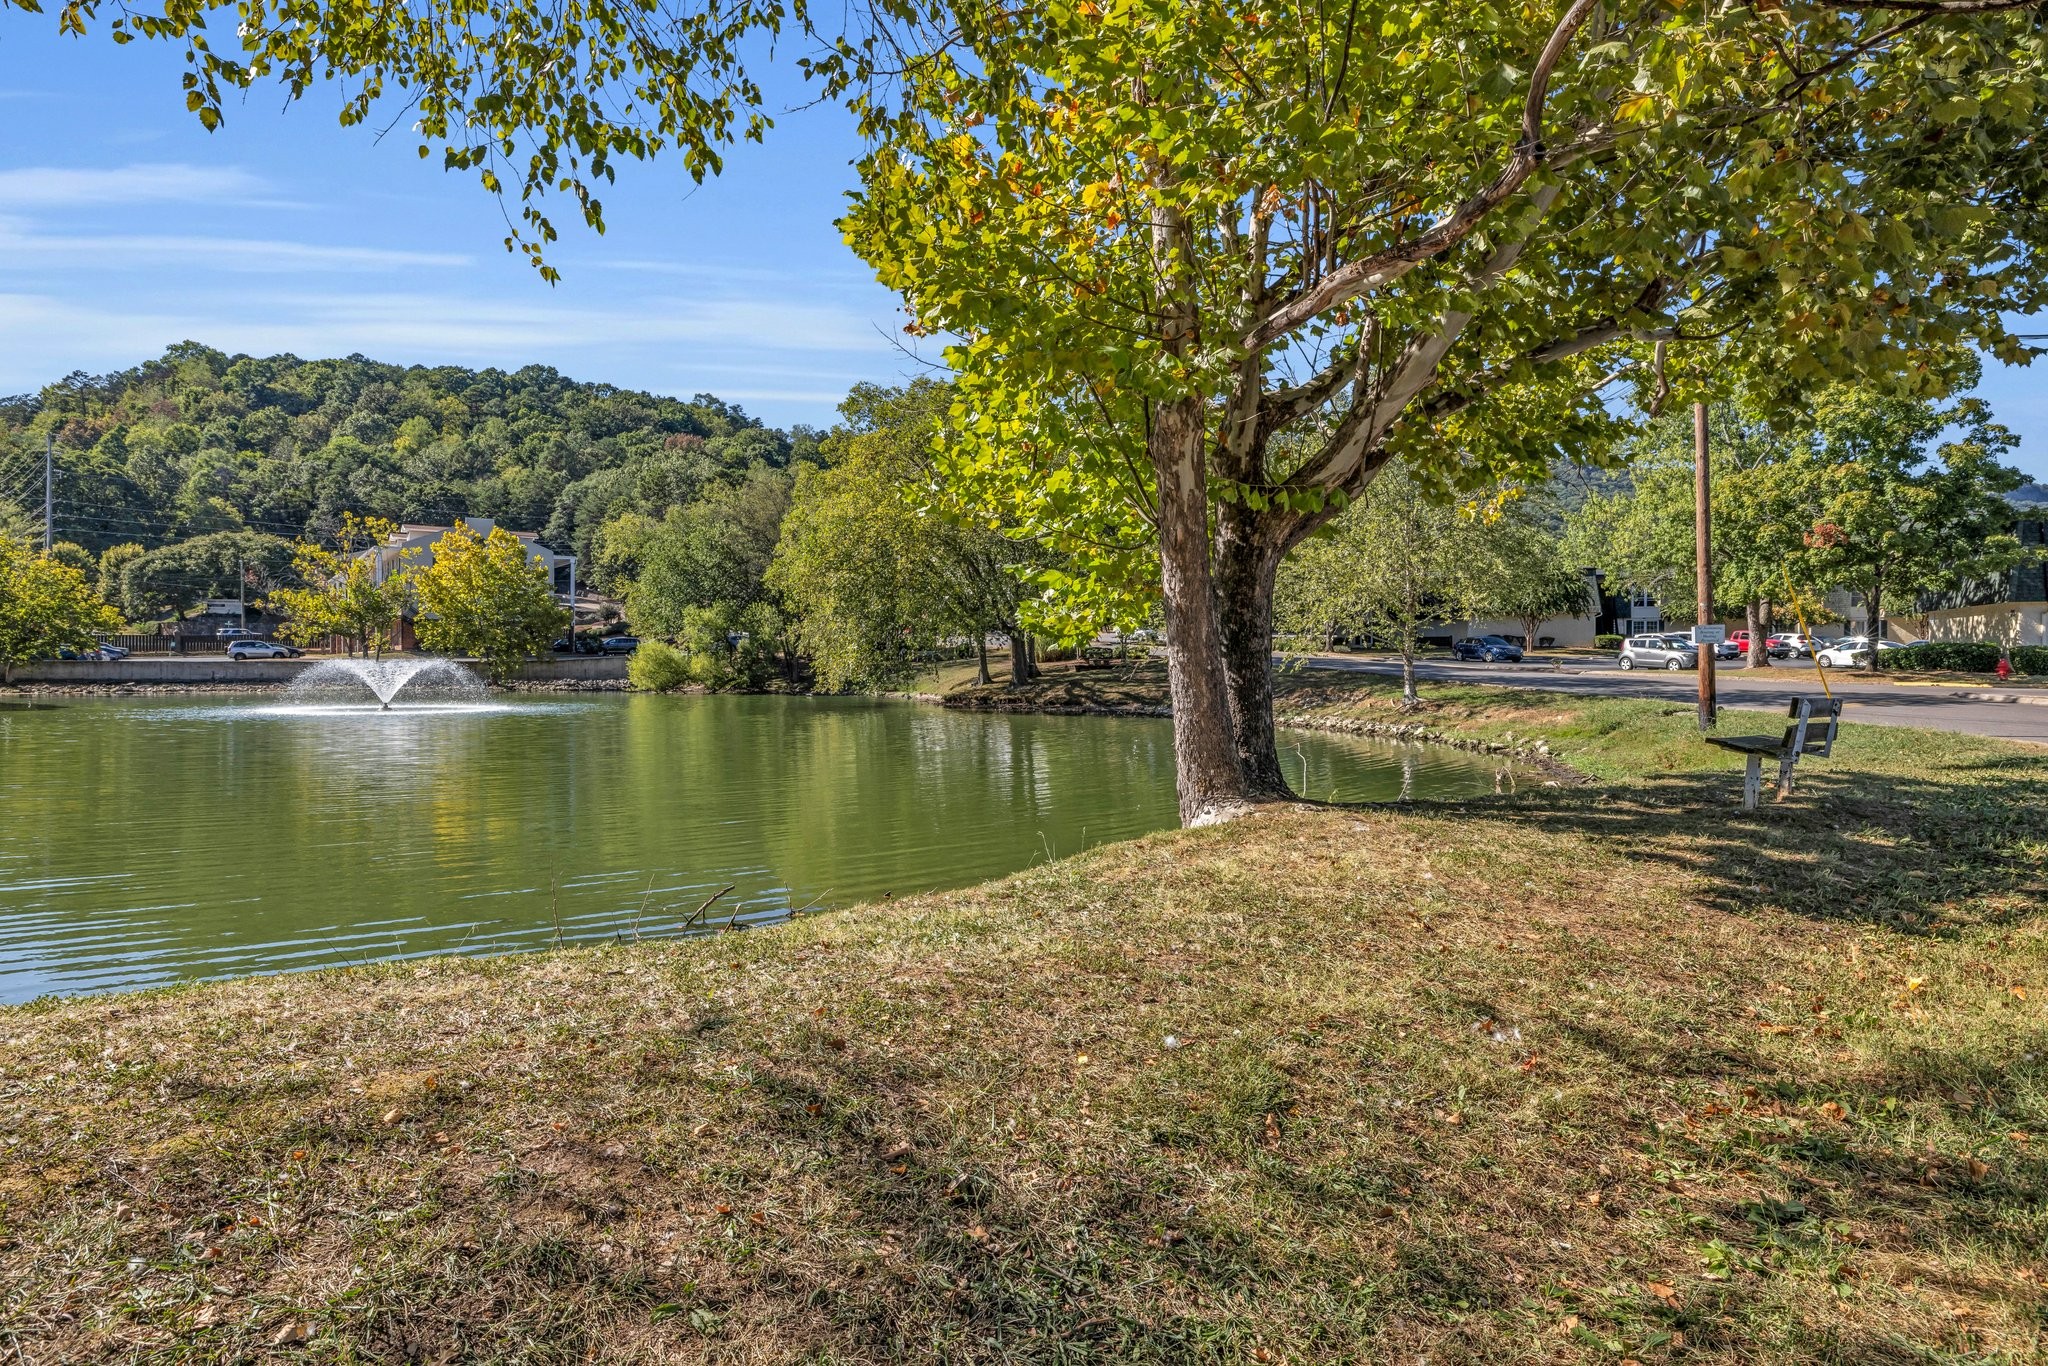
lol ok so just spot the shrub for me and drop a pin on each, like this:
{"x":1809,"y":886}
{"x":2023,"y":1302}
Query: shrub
{"x":2030,"y":659}
{"x":656,"y":667}
{"x":1057,"y":654}
{"x":1958,"y":656}
{"x":1606,"y":642}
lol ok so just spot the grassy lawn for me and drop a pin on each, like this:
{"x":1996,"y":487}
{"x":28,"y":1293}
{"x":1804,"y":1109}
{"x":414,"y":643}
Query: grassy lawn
{"x":1586,"y":1073}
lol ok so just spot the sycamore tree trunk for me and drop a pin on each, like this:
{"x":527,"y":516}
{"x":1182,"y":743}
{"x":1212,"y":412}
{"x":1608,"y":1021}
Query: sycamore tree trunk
{"x":1209,"y":774}
{"x":1410,"y":697}
{"x":1248,"y":552}
{"x":1020,"y":659}
{"x":1873,"y":618}
{"x":1753,"y":618}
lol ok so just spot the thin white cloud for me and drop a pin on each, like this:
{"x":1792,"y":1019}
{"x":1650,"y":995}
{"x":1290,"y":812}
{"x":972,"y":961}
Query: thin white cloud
{"x":232,"y":254}
{"x":139,"y":183}
{"x":783,"y":352}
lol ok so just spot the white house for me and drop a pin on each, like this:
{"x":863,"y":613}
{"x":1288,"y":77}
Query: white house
{"x":412,"y":547}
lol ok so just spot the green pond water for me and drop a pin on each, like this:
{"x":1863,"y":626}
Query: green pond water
{"x":145,"y":841}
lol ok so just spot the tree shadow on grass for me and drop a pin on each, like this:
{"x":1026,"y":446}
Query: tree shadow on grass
{"x":1916,"y":854}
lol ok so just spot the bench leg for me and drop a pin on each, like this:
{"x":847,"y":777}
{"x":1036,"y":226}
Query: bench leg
{"x":1752,"y":782}
{"x":1785,"y":776}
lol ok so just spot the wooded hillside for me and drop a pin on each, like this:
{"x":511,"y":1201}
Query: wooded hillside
{"x":197,"y":441}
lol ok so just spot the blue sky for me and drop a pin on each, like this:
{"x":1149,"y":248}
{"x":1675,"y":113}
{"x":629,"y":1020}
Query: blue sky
{"x":124,"y":227}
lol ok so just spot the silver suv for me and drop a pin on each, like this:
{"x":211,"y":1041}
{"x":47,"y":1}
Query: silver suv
{"x":1658,"y":652}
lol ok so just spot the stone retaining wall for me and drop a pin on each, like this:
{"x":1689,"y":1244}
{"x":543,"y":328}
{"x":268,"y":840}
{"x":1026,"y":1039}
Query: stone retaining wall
{"x":218,"y":670}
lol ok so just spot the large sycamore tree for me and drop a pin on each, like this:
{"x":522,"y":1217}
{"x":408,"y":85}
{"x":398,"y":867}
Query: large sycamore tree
{"x":1438,"y":232}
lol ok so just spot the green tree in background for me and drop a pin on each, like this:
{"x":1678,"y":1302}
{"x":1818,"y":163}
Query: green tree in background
{"x":1850,"y":493}
{"x":72,"y":555}
{"x":175,"y":578}
{"x":1899,"y":514}
{"x":1526,"y":577}
{"x":703,"y":580}
{"x":486,"y":599}
{"x":113,"y":562}
{"x":46,"y":605}
{"x":1399,"y":558}
{"x":872,"y":574}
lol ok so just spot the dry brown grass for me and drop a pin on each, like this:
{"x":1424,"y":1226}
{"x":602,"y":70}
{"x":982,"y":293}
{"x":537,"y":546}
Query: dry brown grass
{"x":1583,"y":1074}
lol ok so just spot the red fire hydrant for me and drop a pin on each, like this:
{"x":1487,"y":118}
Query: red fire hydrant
{"x":2004,"y":670}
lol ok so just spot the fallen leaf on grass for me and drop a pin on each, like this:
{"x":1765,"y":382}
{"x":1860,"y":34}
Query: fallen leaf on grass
{"x":291,"y":1334}
{"x":1664,"y":1291}
{"x":1768,"y":1028}
{"x":211,"y":1313}
{"x":391,"y":1116}
{"x":1834,"y":1111}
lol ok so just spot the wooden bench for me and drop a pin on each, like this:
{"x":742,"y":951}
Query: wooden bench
{"x":1812,"y":732}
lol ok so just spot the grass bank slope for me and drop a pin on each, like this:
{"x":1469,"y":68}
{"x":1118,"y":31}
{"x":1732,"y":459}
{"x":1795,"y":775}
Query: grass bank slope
{"x":1581,"y":1073}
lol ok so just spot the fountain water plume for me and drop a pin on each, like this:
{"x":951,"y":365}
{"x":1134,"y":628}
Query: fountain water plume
{"x":385,"y":678}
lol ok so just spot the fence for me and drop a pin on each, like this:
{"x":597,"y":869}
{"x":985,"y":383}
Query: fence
{"x":184,"y":645}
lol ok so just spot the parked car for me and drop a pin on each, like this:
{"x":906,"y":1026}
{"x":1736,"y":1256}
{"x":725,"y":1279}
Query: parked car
{"x":621,"y":645}
{"x":1659,"y":652}
{"x":262,"y":649}
{"x":1791,"y":645}
{"x":1492,"y":649}
{"x":580,"y":645}
{"x":97,"y":654}
{"x":1851,"y":652}
{"x":112,"y":651}
{"x":236,"y":633}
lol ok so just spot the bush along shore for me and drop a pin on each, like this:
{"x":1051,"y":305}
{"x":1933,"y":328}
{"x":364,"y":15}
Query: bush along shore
{"x":1586,"y":1072}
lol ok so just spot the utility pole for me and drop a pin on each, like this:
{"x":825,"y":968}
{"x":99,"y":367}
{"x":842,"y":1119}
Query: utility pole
{"x":49,"y":490}
{"x":1703,"y":529}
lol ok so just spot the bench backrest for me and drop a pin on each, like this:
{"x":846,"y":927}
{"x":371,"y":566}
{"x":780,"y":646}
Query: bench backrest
{"x":1813,"y":726}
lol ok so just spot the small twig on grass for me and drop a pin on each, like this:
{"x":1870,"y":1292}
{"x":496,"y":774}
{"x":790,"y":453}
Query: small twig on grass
{"x":555,"y":906}
{"x":644,"y":899}
{"x":705,"y":907}
{"x":799,"y":910}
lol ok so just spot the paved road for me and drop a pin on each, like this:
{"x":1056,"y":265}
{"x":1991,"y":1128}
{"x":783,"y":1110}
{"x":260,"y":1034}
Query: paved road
{"x":1883,"y":704}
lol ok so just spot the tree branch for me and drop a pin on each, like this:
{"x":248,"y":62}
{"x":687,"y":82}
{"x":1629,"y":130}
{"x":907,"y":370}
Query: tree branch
{"x":1362,"y":276}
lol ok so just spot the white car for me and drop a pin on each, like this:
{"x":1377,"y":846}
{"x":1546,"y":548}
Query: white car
{"x":1850,"y":652}
{"x":262,"y":649}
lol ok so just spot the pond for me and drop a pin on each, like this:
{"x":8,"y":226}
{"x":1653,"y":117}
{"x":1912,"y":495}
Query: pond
{"x":146,"y":841}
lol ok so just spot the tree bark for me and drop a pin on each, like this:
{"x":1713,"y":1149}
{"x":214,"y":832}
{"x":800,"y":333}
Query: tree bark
{"x":1210,"y":777}
{"x":1753,"y":618}
{"x":1247,"y":561}
{"x":1410,"y":697}
{"x":1020,"y":658}
{"x":981,"y":654}
{"x":1874,"y":617}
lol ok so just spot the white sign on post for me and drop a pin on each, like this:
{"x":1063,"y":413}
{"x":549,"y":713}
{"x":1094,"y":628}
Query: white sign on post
{"x":1709,"y":635}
